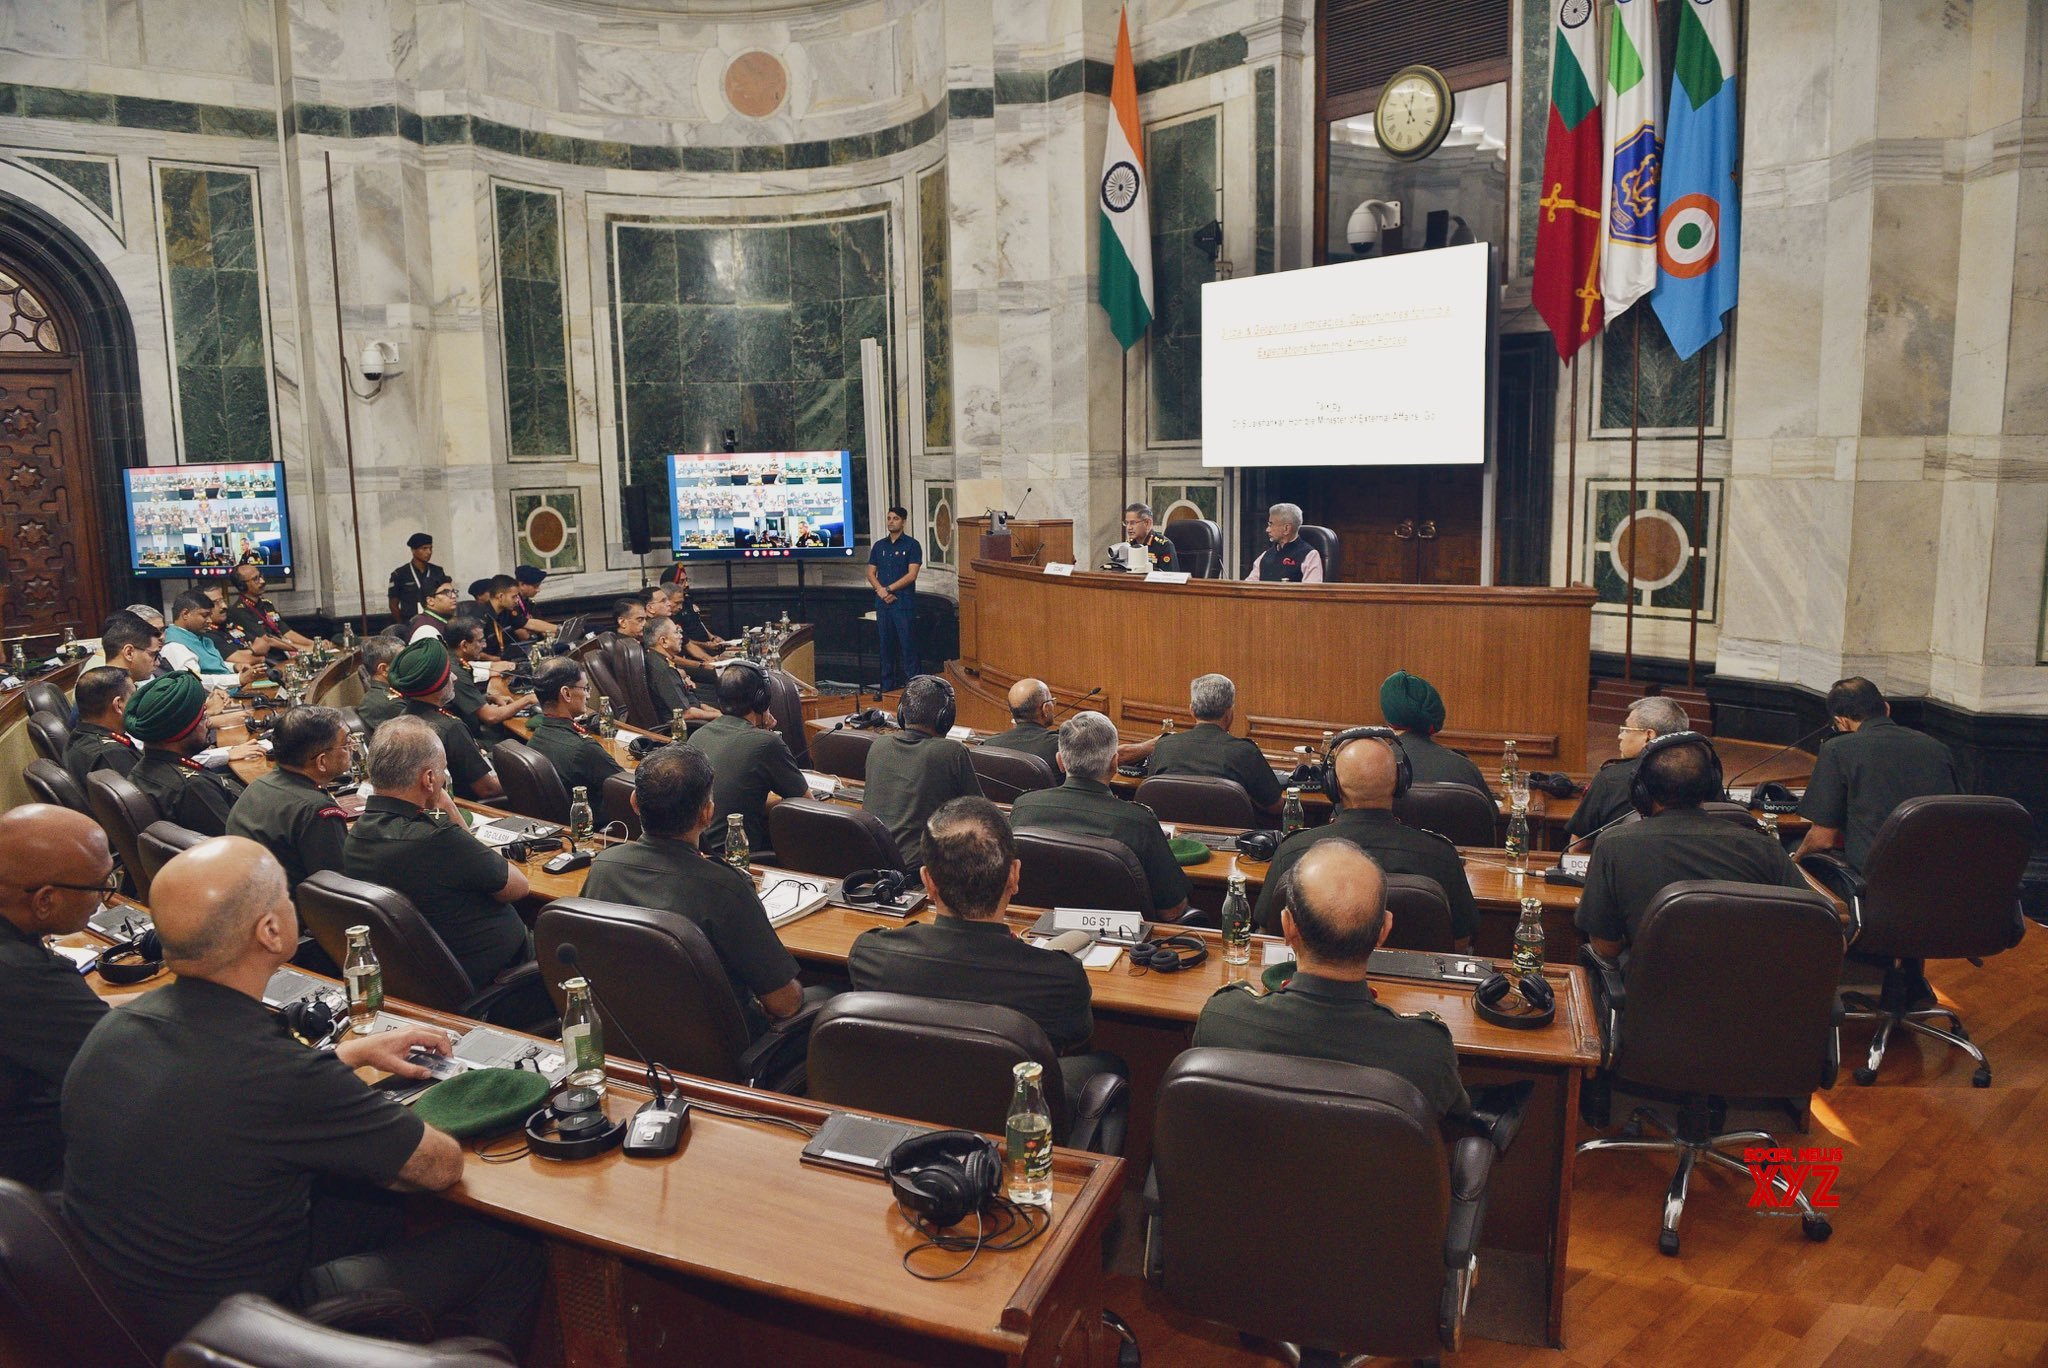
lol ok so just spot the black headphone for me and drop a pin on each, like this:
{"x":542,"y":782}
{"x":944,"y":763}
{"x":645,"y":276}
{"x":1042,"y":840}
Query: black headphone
{"x":943,"y":1177}
{"x":874,"y":887}
{"x":1404,"y":773}
{"x":1170,"y":954}
{"x":948,"y":715}
{"x":573,"y":1125}
{"x":312,"y":1019}
{"x":1536,"y":993}
{"x":758,"y":700}
{"x":1258,"y":844}
{"x":133,"y":961}
{"x":1555,"y":784}
{"x":1639,"y":781}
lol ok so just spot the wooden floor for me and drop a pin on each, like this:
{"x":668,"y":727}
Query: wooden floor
{"x":1940,"y":1251}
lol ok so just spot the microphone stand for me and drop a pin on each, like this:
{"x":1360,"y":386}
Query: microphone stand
{"x":1826,"y":726}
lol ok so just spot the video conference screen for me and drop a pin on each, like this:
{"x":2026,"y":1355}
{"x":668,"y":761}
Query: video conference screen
{"x":761,"y":505}
{"x":201,"y":521}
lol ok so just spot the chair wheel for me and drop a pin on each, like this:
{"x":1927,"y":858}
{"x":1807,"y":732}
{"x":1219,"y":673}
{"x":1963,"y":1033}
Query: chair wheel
{"x":1981,"y":1078}
{"x":1817,"y":1228}
{"x":1864,"y":1077}
{"x":1667,"y":1243}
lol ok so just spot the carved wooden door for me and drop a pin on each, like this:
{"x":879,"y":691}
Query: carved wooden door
{"x":51,"y":570}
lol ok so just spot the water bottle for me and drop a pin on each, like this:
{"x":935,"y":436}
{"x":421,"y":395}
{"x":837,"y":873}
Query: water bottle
{"x":1518,"y":839}
{"x":358,"y":760}
{"x":1768,"y":823}
{"x":607,"y":720}
{"x":1027,"y":1148}
{"x":348,"y":636}
{"x":70,"y":646}
{"x":582,"y":1038}
{"x":679,"y":725}
{"x":365,"y":979}
{"x":1237,"y":922}
{"x":1510,"y":764}
{"x":1166,"y":727}
{"x":579,"y":815}
{"x":784,"y":624}
{"x":737,"y":853}
{"x":1291,"y":818}
{"x":1328,"y":738}
{"x":17,"y":664}
{"x":1529,"y":938}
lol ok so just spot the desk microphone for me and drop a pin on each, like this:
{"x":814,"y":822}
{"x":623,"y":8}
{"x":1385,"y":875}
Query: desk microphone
{"x":1628,"y":816}
{"x":657,"y":1128}
{"x":1826,"y":727}
{"x":1077,"y":702}
{"x":1019,"y":509}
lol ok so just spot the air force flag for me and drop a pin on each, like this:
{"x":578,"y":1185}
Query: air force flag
{"x":1700,"y":230}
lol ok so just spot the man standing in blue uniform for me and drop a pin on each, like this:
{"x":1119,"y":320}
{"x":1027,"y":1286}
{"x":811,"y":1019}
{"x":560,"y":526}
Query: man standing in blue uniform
{"x":893,"y":563}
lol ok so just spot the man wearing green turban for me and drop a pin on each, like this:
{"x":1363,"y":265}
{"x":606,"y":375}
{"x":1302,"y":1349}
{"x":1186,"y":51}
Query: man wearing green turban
{"x":168,"y":716}
{"x":1414,"y":708}
{"x":425,"y":678}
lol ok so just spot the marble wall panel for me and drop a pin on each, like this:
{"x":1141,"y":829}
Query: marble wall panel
{"x":1910,"y":333}
{"x":936,"y":307}
{"x":2026,"y":378}
{"x":1182,"y":161}
{"x":1776,"y":367}
{"x":91,"y":178}
{"x":532,"y":325}
{"x":1640,"y":373}
{"x":214,"y":278}
{"x":1899,"y":535}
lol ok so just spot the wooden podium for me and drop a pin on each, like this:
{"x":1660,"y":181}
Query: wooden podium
{"x":1034,"y":543}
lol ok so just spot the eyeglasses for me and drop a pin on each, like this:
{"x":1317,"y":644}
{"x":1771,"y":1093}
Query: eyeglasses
{"x":1624,"y":731}
{"x":108,"y":888}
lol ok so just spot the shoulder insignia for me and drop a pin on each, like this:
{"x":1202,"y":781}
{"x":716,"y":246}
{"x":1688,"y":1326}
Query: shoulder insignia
{"x":1424,"y":1015}
{"x":333,"y":812}
{"x":1436,"y":836}
{"x":1238,"y":988}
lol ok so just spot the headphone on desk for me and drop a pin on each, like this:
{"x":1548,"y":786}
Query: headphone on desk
{"x":1535,"y":991}
{"x":942,"y":1177}
{"x":879,"y":888}
{"x":133,"y":961}
{"x":573,"y":1125}
{"x":1404,"y":772}
{"x":948,"y":715}
{"x":1639,"y":780}
{"x":1170,"y":954}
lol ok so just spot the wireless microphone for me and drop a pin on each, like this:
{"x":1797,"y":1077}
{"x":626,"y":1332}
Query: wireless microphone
{"x":657,"y":1128}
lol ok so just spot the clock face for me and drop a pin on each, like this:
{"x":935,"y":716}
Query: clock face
{"x":1413,"y":114}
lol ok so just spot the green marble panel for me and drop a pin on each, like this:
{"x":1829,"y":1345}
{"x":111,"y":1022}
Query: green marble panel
{"x":935,"y":293}
{"x":768,"y":415}
{"x":532,"y":322}
{"x":710,"y":343}
{"x":93,"y":180}
{"x":1669,"y":396}
{"x":1181,"y":159}
{"x":820,"y":415}
{"x":215,"y":293}
{"x":815,"y":342}
{"x":764,"y":344}
{"x":707,"y":266}
{"x":1265,"y":164}
{"x":761,"y":261}
{"x":651,"y":338}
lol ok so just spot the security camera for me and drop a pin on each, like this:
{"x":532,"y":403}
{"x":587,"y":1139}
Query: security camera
{"x":379,"y":362}
{"x":1368,"y":222}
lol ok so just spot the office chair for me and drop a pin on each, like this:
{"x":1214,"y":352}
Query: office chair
{"x":160,"y":843}
{"x":1326,"y":543}
{"x":842,"y":752}
{"x":628,"y":662}
{"x":45,"y":697}
{"x":248,"y":1331}
{"x":1007,"y":775}
{"x":1729,"y":992}
{"x":1422,"y":914}
{"x":1198,"y":545}
{"x":1064,"y":869}
{"x":49,"y":733}
{"x":533,"y":787}
{"x":831,"y":840}
{"x":1942,"y":881}
{"x":1199,"y":798}
{"x":786,"y":701}
{"x":123,"y":810}
{"x":55,"y":1307}
{"x":52,"y":783}
{"x":950,"y":1064}
{"x":615,"y":804}
{"x":1459,"y":813}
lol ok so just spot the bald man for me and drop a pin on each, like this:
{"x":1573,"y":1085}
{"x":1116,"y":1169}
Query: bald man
{"x":1334,"y":915}
{"x":1366,"y":769}
{"x":1031,"y":729}
{"x":195,"y":1126}
{"x":55,"y":872}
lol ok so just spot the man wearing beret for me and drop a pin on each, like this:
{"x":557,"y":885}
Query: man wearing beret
{"x":168,"y":716}
{"x":1415,"y":710}
{"x":518,"y":616}
{"x":414,"y":580}
{"x":423,"y":676}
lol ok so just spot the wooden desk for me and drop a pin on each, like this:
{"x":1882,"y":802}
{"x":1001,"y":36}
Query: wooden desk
{"x":1034,"y":543}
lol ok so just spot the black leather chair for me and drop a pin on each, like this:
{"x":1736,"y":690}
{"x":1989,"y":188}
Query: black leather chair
{"x":615,"y":804}
{"x":1942,"y":881}
{"x":1313,"y":1248}
{"x":123,"y":811}
{"x":55,"y":1307}
{"x":1458,"y":812}
{"x":353,"y":720}
{"x":248,"y":1331}
{"x":160,"y":843}
{"x":417,"y":964}
{"x":49,"y":733}
{"x":1198,"y":544}
{"x":829,"y":839}
{"x":1007,"y":775}
{"x":533,"y":787}
{"x":950,"y":1064}
{"x":1324,"y":540}
{"x":52,"y":783}
{"x":664,"y":983}
{"x":1689,"y":1017}
{"x":628,"y":662}
{"x":786,"y":701}
{"x":842,"y":751}
{"x":45,"y":697}
{"x":598,"y":666}
{"x":1062,"y":869}
{"x":1422,"y":915}
{"x":1199,"y":798}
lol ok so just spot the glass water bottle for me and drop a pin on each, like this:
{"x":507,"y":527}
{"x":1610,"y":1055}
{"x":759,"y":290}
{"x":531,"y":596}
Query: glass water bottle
{"x":1529,"y":938}
{"x":365,"y":980}
{"x":1518,"y":838}
{"x":1237,"y":922}
{"x":1291,"y":817}
{"x":679,"y":725}
{"x":737,"y":853}
{"x":579,"y":815}
{"x":1027,"y":1148}
{"x":582,"y":1037}
{"x":1510,"y":764}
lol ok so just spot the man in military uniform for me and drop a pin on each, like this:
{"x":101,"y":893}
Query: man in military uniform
{"x":914,"y":772}
{"x":1208,"y":749}
{"x":1084,"y":805}
{"x":98,"y":742}
{"x":1031,"y":714}
{"x":378,"y":706}
{"x":967,"y":953}
{"x":1138,"y":533}
{"x":412,"y":838}
{"x":564,"y":693}
{"x":423,"y":676}
{"x":1334,"y":915}
{"x":1866,"y":771}
{"x":256,"y":615}
{"x":289,"y":811}
{"x":662,"y":645}
{"x":1675,"y":840}
{"x":1364,"y":816}
{"x":893,"y":563}
{"x":411,"y":582}
{"x":1414,"y":709}
{"x":754,"y":769}
{"x":700,"y":643}
{"x":518,"y":616}
{"x":1606,"y":798}
{"x":483,"y":709}
{"x":168,"y":716}
{"x":666,"y":869}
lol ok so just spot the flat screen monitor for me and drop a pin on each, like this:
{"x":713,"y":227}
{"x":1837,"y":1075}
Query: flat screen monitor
{"x":761,"y":505}
{"x":201,"y":521}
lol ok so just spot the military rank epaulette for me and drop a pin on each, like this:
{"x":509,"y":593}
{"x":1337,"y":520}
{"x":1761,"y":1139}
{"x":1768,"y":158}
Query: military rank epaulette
{"x":1238,"y":987}
{"x":1424,"y":1015}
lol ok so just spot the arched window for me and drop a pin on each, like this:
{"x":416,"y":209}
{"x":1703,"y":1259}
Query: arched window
{"x":25,"y":322}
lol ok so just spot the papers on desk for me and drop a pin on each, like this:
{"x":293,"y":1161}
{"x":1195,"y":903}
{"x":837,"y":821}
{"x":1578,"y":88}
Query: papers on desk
{"x":960,"y":733}
{"x":1058,"y":568}
{"x":505,"y":830}
{"x":120,"y":922}
{"x":216,"y":757}
{"x":486,"y":1047}
{"x":82,"y":957}
{"x":288,"y":985}
{"x":787,"y":897}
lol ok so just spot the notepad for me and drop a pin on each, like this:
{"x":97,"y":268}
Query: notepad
{"x":786,"y":897}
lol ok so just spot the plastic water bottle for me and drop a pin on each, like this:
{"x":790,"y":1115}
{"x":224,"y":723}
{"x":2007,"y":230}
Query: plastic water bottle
{"x":579,"y":815}
{"x":365,"y":980}
{"x":1237,"y":922}
{"x":1291,"y":816}
{"x":1528,"y":951}
{"x":1027,"y":1147}
{"x":582,"y":1037}
{"x":737,"y":853}
{"x":1518,"y":838}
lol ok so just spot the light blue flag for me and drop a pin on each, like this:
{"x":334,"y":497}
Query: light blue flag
{"x":1699,"y":228}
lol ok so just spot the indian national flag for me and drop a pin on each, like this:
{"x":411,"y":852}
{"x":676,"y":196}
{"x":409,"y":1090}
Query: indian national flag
{"x":1628,"y":256}
{"x":1566,"y":287}
{"x":1124,"y":256}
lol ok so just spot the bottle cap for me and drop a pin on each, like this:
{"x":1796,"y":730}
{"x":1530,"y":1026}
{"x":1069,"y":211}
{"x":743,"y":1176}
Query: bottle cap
{"x":576,"y":985}
{"x":354,"y":932}
{"x":1030,"y":1071}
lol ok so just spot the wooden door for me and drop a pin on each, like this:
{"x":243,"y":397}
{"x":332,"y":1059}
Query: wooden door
{"x":51,"y":574}
{"x":1394,"y":524}
{"x":1448,"y":520}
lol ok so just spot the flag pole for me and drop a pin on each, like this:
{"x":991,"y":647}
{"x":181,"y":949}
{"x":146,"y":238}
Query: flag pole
{"x":1123,"y":438}
{"x":1571,"y":463}
{"x":1699,"y":485}
{"x":1635,"y":394}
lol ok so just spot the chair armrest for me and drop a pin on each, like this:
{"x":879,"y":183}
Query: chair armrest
{"x":379,"y":1312}
{"x":1496,"y":1114}
{"x":1095,"y":1125}
{"x":780,"y":1052}
{"x":1155,"y":1257}
{"x":513,"y":980}
{"x":1471,"y":1168}
{"x":1833,"y":873}
{"x":1610,"y":992}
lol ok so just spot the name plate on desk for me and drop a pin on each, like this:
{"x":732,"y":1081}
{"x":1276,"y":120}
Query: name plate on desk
{"x":1058,"y":568}
{"x":1575,"y":864}
{"x":960,"y":733}
{"x":1123,"y":926}
{"x":1166,"y":576}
